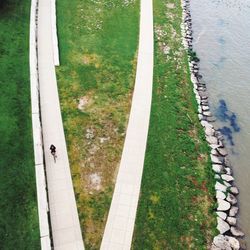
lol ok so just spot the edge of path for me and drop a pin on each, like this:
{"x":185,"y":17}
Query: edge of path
{"x":41,"y":186}
{"x":121,"y":219}
{"x":66,"y":231}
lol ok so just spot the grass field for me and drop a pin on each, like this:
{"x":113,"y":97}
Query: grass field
{"x":176,"y":201}
{"x":98,"y":49}
{"x":19,"y":227}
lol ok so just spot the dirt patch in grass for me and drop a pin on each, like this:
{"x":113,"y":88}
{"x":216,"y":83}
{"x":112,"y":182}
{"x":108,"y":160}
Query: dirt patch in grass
{"x":98,"y":49}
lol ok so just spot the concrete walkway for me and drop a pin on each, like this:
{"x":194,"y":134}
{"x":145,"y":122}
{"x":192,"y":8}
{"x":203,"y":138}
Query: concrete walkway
{"x":120,"y":224}
{"x":66,"y":232}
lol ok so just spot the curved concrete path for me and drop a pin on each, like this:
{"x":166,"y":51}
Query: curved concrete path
{"x":66,"y":231}
{"x":120,"y":224}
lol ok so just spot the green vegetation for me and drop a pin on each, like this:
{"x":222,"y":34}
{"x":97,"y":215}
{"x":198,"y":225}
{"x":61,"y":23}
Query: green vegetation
{"x":176,"y":202}
{"x":98,"y":48}
{"x":19,"y":227}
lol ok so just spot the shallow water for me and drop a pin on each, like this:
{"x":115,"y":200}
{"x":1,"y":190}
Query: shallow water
{"x":222,"y":42}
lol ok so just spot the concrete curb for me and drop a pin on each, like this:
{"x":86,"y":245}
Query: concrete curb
{"x":54,"y":33}
{"x":37,"y":134}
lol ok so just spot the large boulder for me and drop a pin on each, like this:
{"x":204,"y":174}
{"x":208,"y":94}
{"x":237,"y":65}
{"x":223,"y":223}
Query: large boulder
{"x":222,"y":226}
{"x":220,"y":195}
{"x":231,"y":198}
{"x":228,"y":171}
{"x":223,"y":205}
{"x":233,"y":211}
{"x":212,"y":139}
{"x":236,"y":232}
{"x":220,"y":187}
{"x":222,"y":151}
{"x":219,"y":243}
{"x":215,"y":159}
{"x":218,"y":168}
{"x":222,"y":215}
{"x":231,"y":220}
{"x":227,"y":177}
{"x":234,"y":243}
{"x":234,"y":190}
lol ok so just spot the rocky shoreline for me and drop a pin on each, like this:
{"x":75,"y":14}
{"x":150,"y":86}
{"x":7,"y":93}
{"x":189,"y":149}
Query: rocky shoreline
{"x":230,"y":236}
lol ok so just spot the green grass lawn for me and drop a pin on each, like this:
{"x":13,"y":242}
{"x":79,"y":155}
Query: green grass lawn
{"x":176,"y":201}
{"x":19,"y":227}
{"x":98,"y":49}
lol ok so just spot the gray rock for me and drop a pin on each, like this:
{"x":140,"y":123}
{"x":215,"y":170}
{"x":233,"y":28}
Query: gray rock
{"x":220,"y":195}
{"x":231,"y":198}
{"x":217,"y":177}
{"x":222,"y":215}
{"x":209,"y":131}
{"x":206,"y":124}
{"x":229,"y":171}
{"x":214,"y":152}
{"x":231,"y":220}
{"x":215,"y":159}
{"x":222,"y":151}
{"x":236,"y":232}
{"x":212,"y":139}
{"x":233,"y":211}
{"x":220,"y":187}
{"x":220,"y":243}
{"x":211,"y":119}
{"x":227,"y":184}
{"x":234,"y":243}
{"x":218,"y":168}
{"x":222,"y":226}
{"x":223,"y":205}
{"x":205,"y":108}
{"x":214,"y":146}
{"x":199,"y":109}
{"x":227,"y":177}
{"x":207,"y":113}
{"x":234,"y":190}
{"x":201,"y":117}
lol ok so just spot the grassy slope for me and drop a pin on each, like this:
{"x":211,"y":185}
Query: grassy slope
{"x":176,"y":203}
{"x":18,"y":213}
{"x":98,"y":45}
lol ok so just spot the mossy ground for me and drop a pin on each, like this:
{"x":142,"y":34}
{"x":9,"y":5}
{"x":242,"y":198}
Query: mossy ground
{"x":176,"y":206}
{"x":19,"y":228}
{"x":98,"y":49}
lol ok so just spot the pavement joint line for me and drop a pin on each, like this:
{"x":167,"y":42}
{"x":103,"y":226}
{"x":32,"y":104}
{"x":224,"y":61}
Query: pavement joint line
{"x":131,"y":167}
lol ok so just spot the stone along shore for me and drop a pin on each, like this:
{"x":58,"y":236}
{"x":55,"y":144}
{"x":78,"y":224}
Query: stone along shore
{"x":230,"y":236}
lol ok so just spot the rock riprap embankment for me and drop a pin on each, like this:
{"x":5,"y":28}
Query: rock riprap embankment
{"x":229,"y":234}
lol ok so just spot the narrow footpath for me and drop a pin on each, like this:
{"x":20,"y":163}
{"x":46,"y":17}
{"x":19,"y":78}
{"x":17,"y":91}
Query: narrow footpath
{"x":66,"y":231}
{"x":121,"y":219}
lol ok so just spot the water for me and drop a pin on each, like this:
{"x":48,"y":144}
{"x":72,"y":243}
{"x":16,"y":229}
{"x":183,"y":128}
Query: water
{"x":222,"y":42}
